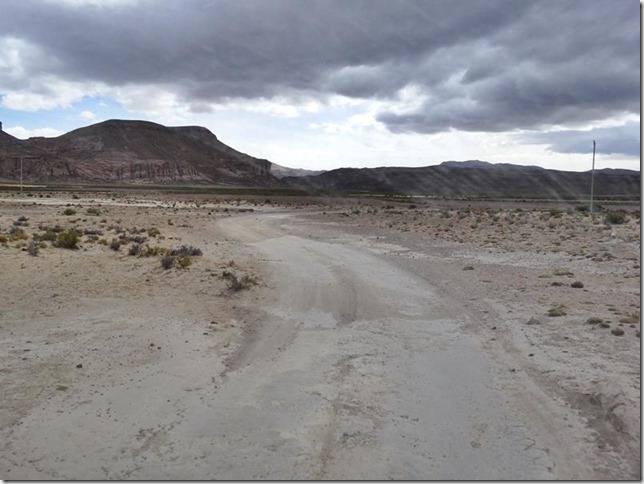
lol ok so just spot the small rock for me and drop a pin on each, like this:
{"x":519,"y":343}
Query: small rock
{"x":617,"y":331}
{"x":531,"y":354}
{"x":593,"y":320}
{"x":556,"y":283}
{"x":468,"y":268}
{"x":605,"y":324}
{"x":533,"y":320}
{"x":577,"y":284}
{"x":80,"y":365}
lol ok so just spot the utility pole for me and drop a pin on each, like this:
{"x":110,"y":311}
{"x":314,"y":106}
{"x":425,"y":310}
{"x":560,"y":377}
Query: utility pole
{"x":21,"y":176}
{"x":592,"y":180}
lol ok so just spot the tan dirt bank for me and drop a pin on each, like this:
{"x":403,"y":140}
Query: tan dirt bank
{"x":374,"y":346}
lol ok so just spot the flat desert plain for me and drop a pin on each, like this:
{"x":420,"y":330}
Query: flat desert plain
{"x":158,"y":336}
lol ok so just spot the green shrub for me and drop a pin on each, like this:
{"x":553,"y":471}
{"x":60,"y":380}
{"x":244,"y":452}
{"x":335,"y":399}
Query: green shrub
{"x":184,"y":261}
{"x":615,"y":218}
{"x":186,"y":250}
{"x":167,"y":261}
{"x":154,"y":232}
{"x":93,"y":211}
{"x":69,"y":211}
{"x":67,"y":239}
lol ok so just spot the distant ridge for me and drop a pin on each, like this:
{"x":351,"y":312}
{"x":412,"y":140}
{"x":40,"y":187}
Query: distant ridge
{"x":476,"y":179}
{"x":124,"y":151}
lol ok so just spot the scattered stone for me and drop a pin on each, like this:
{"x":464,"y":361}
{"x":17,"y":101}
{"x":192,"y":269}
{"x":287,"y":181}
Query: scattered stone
{"x":604,"y":324}
{"x":577,"y":284}
{"x":593,"y":320}
{"x":531,"y":354}
{"x":556,"y":283}
{"x":80,"y":365}
{"x":618,"y":331}
{"x":468,"y":268}
{"x":213,"y":322}
{"x":533,"y":320}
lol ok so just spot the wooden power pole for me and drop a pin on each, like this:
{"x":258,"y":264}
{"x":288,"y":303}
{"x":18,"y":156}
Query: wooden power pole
{"x":592,"y":180}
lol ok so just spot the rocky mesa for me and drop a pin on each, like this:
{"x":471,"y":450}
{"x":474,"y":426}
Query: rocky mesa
{"x":132,"y":151}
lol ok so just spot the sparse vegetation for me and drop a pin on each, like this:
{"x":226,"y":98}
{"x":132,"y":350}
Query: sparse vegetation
{"x":557,"y":311}
{"x":115,"y":245}
{"x":237,"y":284}
{"x":32,"y":248}
{"x":615,"y":217}
{"x":167,"y":261}
{"x":67,"y":239}
{"x":186,"y":250}
{"x":93,"y":211}
{"x":69,"y":211}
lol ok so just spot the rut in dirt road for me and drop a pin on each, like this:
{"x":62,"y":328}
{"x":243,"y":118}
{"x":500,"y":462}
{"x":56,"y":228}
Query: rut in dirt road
{"x":357,"y":370}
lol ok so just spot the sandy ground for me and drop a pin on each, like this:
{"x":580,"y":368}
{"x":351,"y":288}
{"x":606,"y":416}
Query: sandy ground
{"x":377,"y":343}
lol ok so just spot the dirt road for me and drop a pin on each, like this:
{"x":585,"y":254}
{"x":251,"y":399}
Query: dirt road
{"x":348,"y":364}
{"x":359,"y":370}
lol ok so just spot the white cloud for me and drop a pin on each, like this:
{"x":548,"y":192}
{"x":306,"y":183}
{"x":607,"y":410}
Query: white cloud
{"x":88,"y":115}
{"x":24,"y":133}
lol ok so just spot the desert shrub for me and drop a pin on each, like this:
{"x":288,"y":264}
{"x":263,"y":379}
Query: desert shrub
{"x":184,"y":261}
{"x":167,"y":261}
{"x":92,"y":232}
{"x":93,"y":211}
{"x":21,"y":222}
{"x":32,"y":248}
{"x":154,"y":232}
{"x":557,"y":311}
{"x":237,"y":284}
{"x":18,"y":234}
{"x":138,"y":239}
{"x":153,"y":251}
{"x":48,"y":235}
{"x":3,"y":239}
{"x":67,"y":239}
{"x":186,"y":250}
{"x":115,"y":244}
{"x":632,"y":318}
{"x":135,"y":249}
{"x":103,"y":241}
{"x":556,"y":213}
{"x":69,"y":211}
{"x":615,"y":218}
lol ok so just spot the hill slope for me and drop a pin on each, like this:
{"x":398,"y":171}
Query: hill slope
{"x":474,"y":178}
{"x":133,"y":151}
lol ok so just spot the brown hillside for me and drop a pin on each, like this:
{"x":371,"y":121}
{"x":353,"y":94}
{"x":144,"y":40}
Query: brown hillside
{"x":133,"y":151}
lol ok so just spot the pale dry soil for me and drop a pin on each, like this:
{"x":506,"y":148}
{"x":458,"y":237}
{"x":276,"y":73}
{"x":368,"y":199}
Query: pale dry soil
{"x":375,"y":345}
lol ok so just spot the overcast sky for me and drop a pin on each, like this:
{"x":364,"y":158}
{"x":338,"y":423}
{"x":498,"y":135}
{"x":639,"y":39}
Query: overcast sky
{"x":322,"y":84}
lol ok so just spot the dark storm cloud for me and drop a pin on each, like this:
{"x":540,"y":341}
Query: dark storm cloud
{"x":618,"y":140}
{"x":484,"y":65}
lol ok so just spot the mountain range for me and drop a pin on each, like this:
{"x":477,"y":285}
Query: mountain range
{"x":141,"y":152}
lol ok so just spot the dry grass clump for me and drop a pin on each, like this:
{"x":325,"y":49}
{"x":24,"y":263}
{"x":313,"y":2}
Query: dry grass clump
{"x":556,"y":311}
